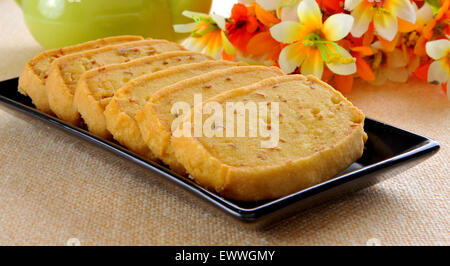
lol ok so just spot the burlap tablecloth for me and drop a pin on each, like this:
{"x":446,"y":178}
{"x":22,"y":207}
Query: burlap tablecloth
{"x":55,"y":187}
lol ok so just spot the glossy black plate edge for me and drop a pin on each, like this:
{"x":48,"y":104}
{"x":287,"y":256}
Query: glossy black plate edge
{"x":265,"y":213}
{"x":341,"y":185}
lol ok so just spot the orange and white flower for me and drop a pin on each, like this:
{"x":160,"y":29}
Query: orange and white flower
{"x":439,"y":71}
{"x":423,"y":15}
{"x":389,"y":66}
{"x":313,"y":43}
{"x":287,"y":8}
{"x":207,"y":34}
{"x":383,"y":13}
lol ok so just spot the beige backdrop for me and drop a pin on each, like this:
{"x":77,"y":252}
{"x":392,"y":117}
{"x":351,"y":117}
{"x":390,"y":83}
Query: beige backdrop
{"x":54,"y":187}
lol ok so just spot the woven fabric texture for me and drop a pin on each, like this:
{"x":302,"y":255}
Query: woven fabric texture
{"x":55,"y":187}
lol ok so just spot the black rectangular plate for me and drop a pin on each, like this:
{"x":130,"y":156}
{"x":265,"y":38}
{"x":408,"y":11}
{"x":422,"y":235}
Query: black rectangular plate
{"x":388,"y":151}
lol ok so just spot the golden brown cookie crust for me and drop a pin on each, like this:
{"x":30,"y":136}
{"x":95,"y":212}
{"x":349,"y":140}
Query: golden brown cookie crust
{"x":123,"y":125}
{"x":32,"y":80}
{"x":61,"y":84}
{"x":277,"y":179}
{"x":92,"y":107}
{"x":156,"y":130}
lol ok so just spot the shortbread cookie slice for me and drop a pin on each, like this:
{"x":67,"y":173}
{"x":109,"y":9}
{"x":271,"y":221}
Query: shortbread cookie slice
{"x":155,"y":120}
{"x":320,"y":134}
{"x":96,"y":87}
{"x":33,"y":77}
{"x":120,"y":113}
{"x":66,"y":71}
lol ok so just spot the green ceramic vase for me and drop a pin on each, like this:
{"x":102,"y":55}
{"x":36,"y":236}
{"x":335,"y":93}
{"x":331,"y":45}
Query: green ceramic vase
{"x":58,"y":23}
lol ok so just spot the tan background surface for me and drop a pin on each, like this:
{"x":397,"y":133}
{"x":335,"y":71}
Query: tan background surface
{"x":54,"y":187}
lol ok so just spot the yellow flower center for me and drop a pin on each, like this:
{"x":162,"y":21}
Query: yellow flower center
{"x":378,"y":3}
{"x":328,"y":55}
{"x":378,"y":6}
{"x":410,"y":39}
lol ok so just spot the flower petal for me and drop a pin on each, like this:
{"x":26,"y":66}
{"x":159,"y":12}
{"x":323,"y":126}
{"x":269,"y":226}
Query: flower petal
{"x":337,"y":26}
{"x":376,"y":46}
{"x":389,"y":46}
{"x":369,"y":36}
{"x":421,"y":72}
{"x":327,"y":75}
{"x":183,"y":28}
{"x":402,"y":9}
{"x":386,"y":24}
{"x":192,"y":14}
{"x":363,"y":50}
{"x":239,"y":12}
{"x":414,"y":63}
{"x":313,"y":64}
{"x":262,"y":43}
{"x":228,"y":47}
{"x":344,"y":83}
{"x":396,"y":59}
{"x":380,"y":77}
{"x":438,"y":72}
{"x":286,"y":31}
{"x":309,"y":13}
{"x":424,"y":15}
{"x":214,"y":44}
{"x":291,"y":57}
{"x":269,"y":4}
{"x":351,"y":4}
{"x":342,"y":68}
{"x":196,"y":44}
{"x":220,"y":21}
{"x":265,"y":17}
{"x":289,"y":13}
{"x":405,"y":26}
{"x":419,"y":49}
{"x":438,"y":49}
{"x":363,"y":15}
{"x":399,"y":75}
{"x":363,"y":69}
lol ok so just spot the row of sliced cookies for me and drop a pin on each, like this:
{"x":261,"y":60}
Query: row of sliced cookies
{"x":127,"y":90}
{"x":33,"y":78}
